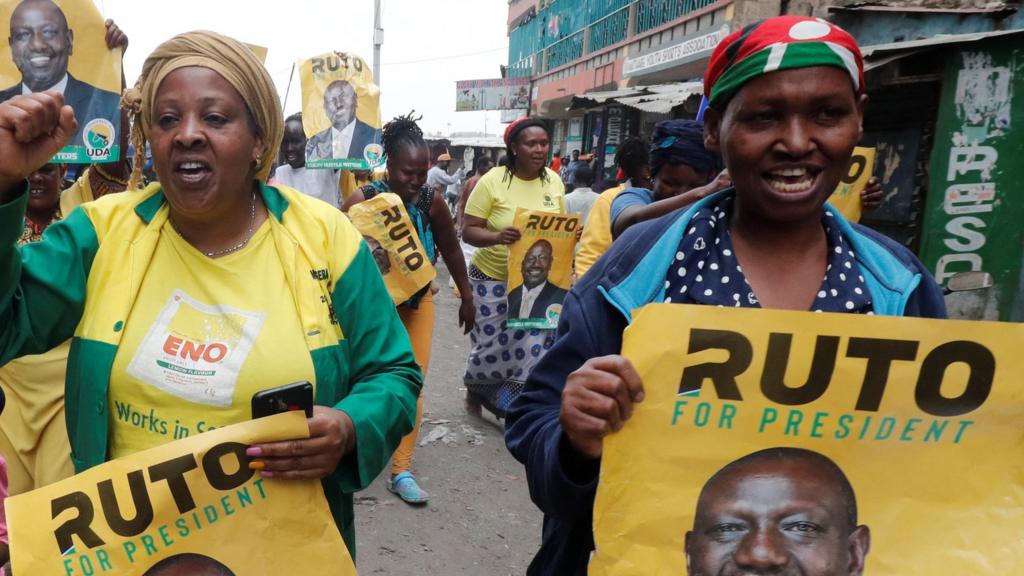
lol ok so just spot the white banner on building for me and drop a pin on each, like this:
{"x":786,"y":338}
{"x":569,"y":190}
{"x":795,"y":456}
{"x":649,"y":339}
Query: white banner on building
{"x":685,"y":51}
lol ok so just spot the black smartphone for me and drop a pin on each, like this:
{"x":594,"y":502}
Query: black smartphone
{"x":297,"y":396}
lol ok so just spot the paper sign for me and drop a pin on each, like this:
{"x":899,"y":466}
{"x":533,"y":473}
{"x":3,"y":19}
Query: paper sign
{"x":395,"y":245}
{"x":61,"y":46}
{"x":340,"y":112}
{"x":191,"y":506}
{"x":540,"y":267}
{"x":495,"y":94}
{"x":846,"y":197}
{"x":898,"y":446}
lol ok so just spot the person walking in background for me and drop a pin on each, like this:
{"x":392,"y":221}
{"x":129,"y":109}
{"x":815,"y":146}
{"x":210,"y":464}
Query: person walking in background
{"x":407,"y":160}
{"x":320,"y":184}
{"x":439,"y":180}
{"x":683,"y":171}
{"x":556,"y":161}
{"x":582,"y":198}
{"x":481,"y":166}
{"x":633,"y":160}
{"x":501,"y":358}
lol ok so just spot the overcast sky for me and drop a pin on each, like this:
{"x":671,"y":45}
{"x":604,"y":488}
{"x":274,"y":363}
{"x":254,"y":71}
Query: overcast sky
{"x":428,"y":44}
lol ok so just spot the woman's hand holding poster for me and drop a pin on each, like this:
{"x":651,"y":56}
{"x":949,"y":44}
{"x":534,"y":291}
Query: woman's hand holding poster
{"x":815,"y":444}
{"x":395,"y":245}
{"x":192,"y":506}
{"x":540,"y":267}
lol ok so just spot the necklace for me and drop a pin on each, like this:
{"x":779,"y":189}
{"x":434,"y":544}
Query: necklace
{"x":236,"y":247}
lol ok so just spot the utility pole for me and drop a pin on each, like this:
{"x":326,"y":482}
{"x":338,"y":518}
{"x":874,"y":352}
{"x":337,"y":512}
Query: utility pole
{"x":378,"y":39}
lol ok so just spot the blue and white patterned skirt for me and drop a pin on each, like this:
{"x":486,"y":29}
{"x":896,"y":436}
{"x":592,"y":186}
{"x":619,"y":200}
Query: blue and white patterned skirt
{"x":501,"y":357}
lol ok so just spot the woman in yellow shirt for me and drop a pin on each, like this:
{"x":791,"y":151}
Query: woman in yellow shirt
{"x":501,"y":358}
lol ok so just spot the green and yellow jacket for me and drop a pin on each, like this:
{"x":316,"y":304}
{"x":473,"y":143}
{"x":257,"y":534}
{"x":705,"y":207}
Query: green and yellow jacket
{"x":82,"y":279}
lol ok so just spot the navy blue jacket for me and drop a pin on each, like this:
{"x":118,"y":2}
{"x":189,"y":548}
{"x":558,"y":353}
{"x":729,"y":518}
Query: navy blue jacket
{"x":596,"y":312}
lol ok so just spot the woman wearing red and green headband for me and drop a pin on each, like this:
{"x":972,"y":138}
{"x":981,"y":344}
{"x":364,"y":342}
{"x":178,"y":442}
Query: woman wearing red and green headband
{"x":786,"y":106}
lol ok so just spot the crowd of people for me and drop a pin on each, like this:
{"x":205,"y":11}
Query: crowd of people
{"x":728,"y":212}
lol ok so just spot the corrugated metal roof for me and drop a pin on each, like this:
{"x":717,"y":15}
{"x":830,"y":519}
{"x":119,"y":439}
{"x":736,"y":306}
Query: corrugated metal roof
{"x":881,"y":49}
{"x":663,"y":98}
{"x":930,"y":6}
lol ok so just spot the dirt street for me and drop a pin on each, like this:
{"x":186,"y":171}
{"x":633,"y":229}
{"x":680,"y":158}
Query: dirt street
{"x":479,"y":520}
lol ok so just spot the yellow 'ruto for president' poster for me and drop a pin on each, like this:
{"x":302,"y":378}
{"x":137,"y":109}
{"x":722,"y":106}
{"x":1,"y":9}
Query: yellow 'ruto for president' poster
{"x":191,"y":506}
{"x":340,"y":112}
{"x":395,"y":245}
{"x":540,"y":267}
{"x":60,"y":46}
{"x":898,"y":447}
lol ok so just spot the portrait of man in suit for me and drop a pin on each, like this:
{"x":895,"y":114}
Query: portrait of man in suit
{"x":536,"y":294}
{"x":41,"y":43}
{"x":347,"y":136}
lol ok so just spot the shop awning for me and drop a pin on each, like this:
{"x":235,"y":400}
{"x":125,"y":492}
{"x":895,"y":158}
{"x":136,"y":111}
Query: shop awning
{"x":660,"y":98}
{"x":663,"y":98}
{"x":879,"y":55}
{"x":595,"y":99}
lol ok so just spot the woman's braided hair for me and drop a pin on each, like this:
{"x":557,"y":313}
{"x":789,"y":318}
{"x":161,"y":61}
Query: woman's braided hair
{"x":402,"y":133}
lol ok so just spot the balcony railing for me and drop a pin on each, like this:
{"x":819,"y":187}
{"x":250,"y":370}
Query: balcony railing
{"x":565,"y":30}
{"x":609,"y":30}
{"x":653,"y":13}
{"x":565,"y":51}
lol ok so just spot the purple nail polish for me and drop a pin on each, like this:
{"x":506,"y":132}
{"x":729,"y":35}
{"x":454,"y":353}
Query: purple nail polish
{"x":267,"y":474}
{"x":254,"y":451}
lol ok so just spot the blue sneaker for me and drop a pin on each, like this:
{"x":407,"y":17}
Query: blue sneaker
{"x":405,"y":486}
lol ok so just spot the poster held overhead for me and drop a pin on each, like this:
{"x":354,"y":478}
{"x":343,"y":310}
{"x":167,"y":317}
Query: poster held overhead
{"x":340,"y":113}
{"x":61,"y":46}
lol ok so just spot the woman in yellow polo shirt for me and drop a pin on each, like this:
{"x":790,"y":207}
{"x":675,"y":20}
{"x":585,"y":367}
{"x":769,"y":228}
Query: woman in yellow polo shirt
{"x":501,"y":358}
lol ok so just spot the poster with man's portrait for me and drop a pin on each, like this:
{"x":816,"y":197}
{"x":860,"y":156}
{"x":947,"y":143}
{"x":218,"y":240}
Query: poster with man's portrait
{"x":780,"y":442}
{"x":395,"y":245}
{"x":60,"y":45}
{"x":340,"y":112}
{"x":540,"y":267}
{"x":192,"y":506}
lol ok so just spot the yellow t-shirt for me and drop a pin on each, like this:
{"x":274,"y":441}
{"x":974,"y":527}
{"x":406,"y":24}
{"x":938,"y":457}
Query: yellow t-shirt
{"x":203,"y":336}
{"x":496,"y":201}
{"x":597,"y":234}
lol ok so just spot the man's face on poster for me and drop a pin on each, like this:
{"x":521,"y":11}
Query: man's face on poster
{"x":784,"y":518}
{"x":340,"y":103}
{"x":537,"y":264}
{"x":40,"y":43}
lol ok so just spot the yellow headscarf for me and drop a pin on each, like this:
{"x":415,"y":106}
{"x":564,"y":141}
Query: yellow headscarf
{"x":234,"y":61}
